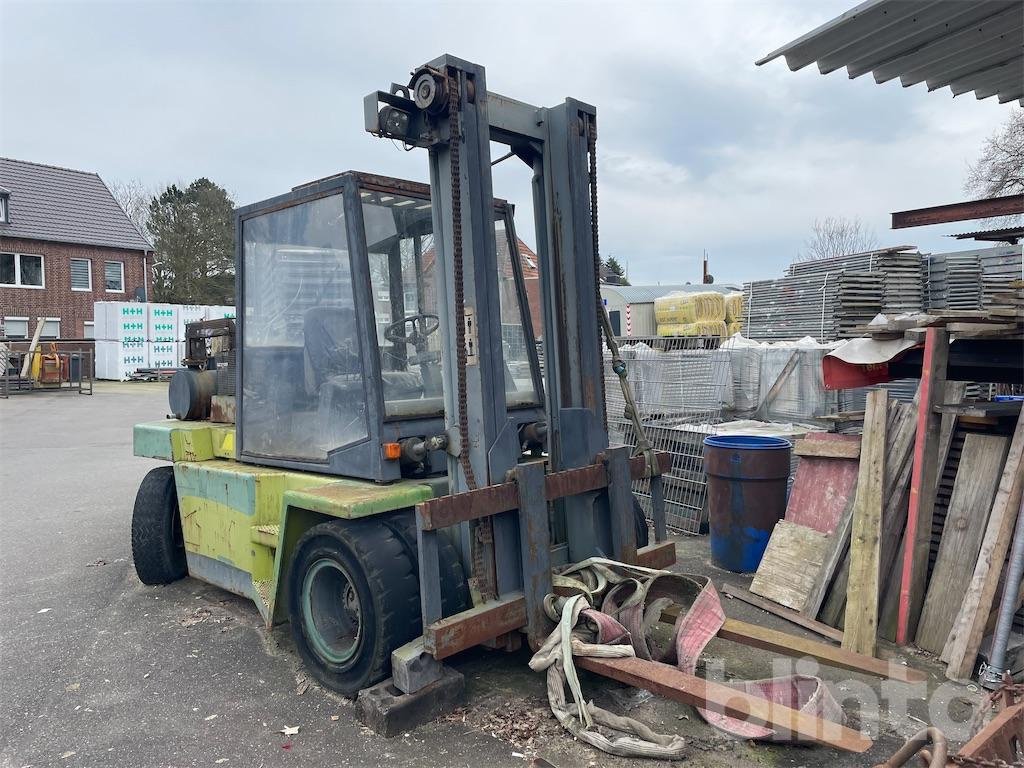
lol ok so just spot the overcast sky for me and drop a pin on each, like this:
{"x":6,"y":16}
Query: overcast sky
{"x":699,"y":149}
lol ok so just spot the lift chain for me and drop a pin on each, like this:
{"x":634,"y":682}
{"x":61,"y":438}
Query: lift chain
{"x":482,"y":543}
{"x":643,"y":445}
{"x":454,"y":146}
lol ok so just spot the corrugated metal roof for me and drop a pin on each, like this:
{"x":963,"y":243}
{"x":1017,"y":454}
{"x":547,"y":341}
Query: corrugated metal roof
{"x":642,"y":294}
{"x":997,"y":235}
{"x":64,"y":206}
{"x":969,"y":46}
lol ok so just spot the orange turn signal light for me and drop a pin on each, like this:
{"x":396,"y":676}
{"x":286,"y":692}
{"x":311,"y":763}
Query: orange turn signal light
{"x":392,"y":451}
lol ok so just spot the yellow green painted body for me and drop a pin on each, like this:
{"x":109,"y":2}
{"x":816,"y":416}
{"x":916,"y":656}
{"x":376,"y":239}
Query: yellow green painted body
{"x":241,"y":521}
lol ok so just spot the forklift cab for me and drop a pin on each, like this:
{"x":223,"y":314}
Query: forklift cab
{"x":338,"y":328}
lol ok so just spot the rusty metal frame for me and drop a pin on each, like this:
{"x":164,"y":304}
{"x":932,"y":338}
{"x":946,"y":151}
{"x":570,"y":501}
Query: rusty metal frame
{"x":530,"y":494}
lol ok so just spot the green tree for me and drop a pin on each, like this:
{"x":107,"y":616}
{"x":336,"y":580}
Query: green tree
{"x":616,"y":273}
{"x":193,"y":232}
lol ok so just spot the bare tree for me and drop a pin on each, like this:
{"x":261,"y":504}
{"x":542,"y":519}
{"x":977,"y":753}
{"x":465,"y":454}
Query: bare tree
{"x":837,"y":236}
{"x":134,"y":198}
{"x":999,"y":169}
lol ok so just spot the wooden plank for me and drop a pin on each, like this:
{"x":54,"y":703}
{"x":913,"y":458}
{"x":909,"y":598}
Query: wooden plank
{"x":977,"y":479}
{"x":918,"y":533}
{"x":799,"y":647}
{"x":861,"y":622}
{"x":659,"y":555}
{"x":832,"y":562}
{"x":456,"y":633}
{"x":782,"y":612}
{"x":828,"y":449}
{"x":982,"y":408}
{"x":788,"y":570}
{"x":777,"y":385}
{"x":961,"y":648}
{"x":27,"y":365}
{"x":673,"y":683}
{"x":823,"y":487}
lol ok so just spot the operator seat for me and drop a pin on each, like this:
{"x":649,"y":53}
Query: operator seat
{"x":331,"y":357}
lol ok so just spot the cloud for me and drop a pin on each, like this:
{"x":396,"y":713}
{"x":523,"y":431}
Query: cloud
{"x":699,"y":149}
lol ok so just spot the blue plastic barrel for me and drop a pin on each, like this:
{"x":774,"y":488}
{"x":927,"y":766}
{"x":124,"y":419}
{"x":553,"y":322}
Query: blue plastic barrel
{"x":747,"y":478}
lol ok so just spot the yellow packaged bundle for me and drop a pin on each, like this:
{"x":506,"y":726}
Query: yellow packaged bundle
{"x":736,"y":327}
{"x":709,"y":306}
{"x":733,"y":307}
{"x":700,"y":328}
{"x":674,"y":309}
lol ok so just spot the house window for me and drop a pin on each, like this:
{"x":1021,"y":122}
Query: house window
{"x":4,"y":207}
{"x":89,"y":329}
{"x":23,"y":270}
{"x":16,"y":327}
{"x":81,"y":275}
{"x":51,"y":328}
{"x":113,"y":274}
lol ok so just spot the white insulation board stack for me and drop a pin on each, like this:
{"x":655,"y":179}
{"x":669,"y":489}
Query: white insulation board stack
{"x":132,"y":334}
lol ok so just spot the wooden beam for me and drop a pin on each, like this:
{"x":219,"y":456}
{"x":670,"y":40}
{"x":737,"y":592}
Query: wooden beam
{"x":783,"y":612}
{"x":456,"y":633}
{"x":917,"y":538}
{"x":796,"y":647}
{"x":961,"y":648}
{"x":861,"y":623}
{"x":799,"y":647}
{"x":673,"y":683}
{"x":659,"y":555}
{"x":828,"y":449}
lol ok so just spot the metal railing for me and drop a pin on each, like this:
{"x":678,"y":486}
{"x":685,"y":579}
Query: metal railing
{"x":47,"y":370}
{"x":681,"y":386}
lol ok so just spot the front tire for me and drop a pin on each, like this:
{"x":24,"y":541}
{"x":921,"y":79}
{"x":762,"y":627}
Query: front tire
{"x":353,"y":598}
{"x":158,"y":547}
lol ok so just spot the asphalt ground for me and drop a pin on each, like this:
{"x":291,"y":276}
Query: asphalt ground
{"x":97,"y":669}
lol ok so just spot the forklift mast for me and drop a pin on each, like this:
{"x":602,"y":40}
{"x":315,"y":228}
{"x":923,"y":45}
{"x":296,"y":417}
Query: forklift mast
{"x":447,"y":109}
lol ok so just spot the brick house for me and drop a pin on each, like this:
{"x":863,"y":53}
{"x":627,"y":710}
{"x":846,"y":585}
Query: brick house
{"x":64,"y":244}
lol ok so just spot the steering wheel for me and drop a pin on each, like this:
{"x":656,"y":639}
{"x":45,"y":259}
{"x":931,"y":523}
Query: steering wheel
{"x":423,"y":325}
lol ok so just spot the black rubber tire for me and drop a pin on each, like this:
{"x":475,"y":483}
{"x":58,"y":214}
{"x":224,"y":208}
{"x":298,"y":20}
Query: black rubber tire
{"x":386,"y":584}
{"x":643,"y":533}
{"x":158,"y":548}
{"x":455,"y":596}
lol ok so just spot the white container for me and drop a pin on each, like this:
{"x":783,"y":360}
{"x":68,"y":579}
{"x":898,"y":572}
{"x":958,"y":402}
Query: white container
{"x":189,"y":313}
{"x":163,"y":354}
{"x":117,"y":360}
{"x":162,"y":323}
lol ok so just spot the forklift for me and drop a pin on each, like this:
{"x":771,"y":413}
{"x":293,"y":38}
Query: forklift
{"x":373,"y":451}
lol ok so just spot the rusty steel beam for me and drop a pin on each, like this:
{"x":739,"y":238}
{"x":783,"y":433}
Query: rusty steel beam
{"x":972,"y":209}
{"x":457,"y":633}
{"x":450,"y":510}
{"x":673,"y":683}
{"x":998,"y":739}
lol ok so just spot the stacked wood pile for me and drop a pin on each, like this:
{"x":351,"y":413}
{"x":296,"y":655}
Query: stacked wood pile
{"x":942,"y":476}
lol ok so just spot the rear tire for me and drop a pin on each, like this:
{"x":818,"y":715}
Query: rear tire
{"x":643,"y":533}
{"x":158,"y":547}
{"x":353,"y":598}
